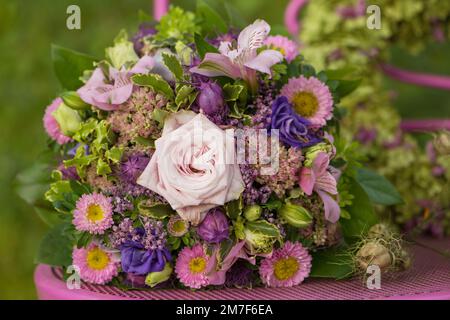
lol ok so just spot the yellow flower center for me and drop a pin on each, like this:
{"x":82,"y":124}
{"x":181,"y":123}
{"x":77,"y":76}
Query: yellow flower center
{"x":97,"y":259}
{"x":179,"y":226}
{"x":305,"y":104}
{"x":95,"y":213}
{"x":197,"y":265}
{"x":279,"y":49}
{"x":285,"y":268}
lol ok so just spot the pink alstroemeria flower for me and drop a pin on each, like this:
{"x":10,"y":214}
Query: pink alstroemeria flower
{"x":109,"y":92}
{"x":243,"y":61}
{"x":216,"y":272}
{"x":319,"y":179}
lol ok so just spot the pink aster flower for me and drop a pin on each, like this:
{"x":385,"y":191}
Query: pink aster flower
{"x":96,"y":264}
{"x":93,"y":213}
{"x":287,"y":267}
{"x":319,"y":179}
{"x":191,"y":267}
{"x":287,"y":47}
{"x":51,"y":125}
{"x":310,"y":98}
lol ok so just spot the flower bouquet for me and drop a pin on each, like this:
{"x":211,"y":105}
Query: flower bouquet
{"x":200,"y":155}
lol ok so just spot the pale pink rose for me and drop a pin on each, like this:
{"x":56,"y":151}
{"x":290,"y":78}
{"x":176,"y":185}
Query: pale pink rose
{"x":194,"y":166}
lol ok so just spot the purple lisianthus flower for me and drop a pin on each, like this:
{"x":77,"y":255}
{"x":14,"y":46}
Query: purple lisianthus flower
{"x":214,"y":227}
{"x":145,"y":29}
{"x":293,"y":129}
{"x":140,"y":261}
{"x":210,"y":99}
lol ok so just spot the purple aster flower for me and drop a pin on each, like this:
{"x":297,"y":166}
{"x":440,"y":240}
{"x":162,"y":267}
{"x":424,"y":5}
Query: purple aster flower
{"x":214,"y":228}
{"x":293,"y":129}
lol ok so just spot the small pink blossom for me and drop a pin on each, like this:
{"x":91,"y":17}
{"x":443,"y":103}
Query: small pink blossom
{"x":319,"y":179}
{"x":287,"y":47}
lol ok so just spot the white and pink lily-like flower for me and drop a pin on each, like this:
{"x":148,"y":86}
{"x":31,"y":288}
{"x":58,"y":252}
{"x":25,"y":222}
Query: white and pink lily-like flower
{"x":243,"y":61}
{"x":108,"y":92}
{"x":320,"y":180}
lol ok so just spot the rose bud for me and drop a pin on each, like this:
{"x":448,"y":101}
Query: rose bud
{"x":295,"y":215}
{"x":252,"y":213}
{"x":442,"y":143}
{"x":374,"y":253}
{"x":210,"y":99}
{"x":214,"y":227}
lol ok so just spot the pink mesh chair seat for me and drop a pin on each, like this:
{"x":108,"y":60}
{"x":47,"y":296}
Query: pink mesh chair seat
{"x":428,"y":278}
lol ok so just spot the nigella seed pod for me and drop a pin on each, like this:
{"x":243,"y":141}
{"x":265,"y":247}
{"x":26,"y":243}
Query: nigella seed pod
{"x":210,"y":100}
{"x":374,"y":253}
{"x":295,"y":215}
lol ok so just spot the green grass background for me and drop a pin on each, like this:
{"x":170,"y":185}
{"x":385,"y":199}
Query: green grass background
{"x":27,"y":85}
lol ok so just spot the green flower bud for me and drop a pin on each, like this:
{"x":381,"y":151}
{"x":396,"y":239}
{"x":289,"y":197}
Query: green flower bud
{"x":295,"y":215}
{"x":155,"y":278}
{"x":68,"y":119}
{"x":258,"y":242}
{"x":252,"y":213}
{"x":442,"y":143}
{"x":73,"y":100}
{"x":312,"y":152}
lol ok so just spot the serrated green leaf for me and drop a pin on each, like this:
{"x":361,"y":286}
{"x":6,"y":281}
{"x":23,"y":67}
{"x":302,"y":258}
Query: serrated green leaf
{"x":234,"y":208}
{"x":378,"y":188}
{"x":173,"y":65}
{"x":232,"y":92}
{"x":155,"y":81}
{"x":69,"y":66}
{"x":114,"y":154}
{"x":156,"y":211}
{"x":159,"y":116}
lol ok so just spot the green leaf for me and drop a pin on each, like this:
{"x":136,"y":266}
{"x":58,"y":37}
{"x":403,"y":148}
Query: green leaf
{"x":361,"y":212}
{"x":114,"y":154}
{"x":232,"y":92}
{"x":103,"y":167}
{"x":263,"y":227}
{"x":234,"y":208}
{"x":185,"y":96}
{"x":203,"y":47}
{"x":211,"y":21}
{"x":69,"y":66}
{"x":338,"y":74}
{"x":346,"y":87}
{"x":32,"y":183}
{"x":56,"y":247}
{"x":331,"y":263}
{"x":173,"y":64}
{"x":159,"y":116}
{"x":48,"y":215}
{"x":378,"y":188}
{"x":155,"y":81}
{"x":156,"y":211}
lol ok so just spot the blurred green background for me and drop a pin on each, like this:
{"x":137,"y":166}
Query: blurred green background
{"x":27,"y":86}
